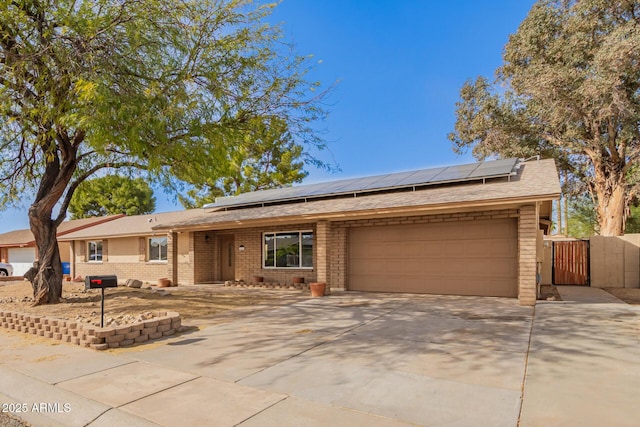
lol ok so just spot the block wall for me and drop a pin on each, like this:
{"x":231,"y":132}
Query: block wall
{"x":163,"y":324}
{"x":615,"y":261}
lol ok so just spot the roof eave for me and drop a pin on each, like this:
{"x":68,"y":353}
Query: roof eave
{"x":370,"y":213}
{"x":108,"y":236}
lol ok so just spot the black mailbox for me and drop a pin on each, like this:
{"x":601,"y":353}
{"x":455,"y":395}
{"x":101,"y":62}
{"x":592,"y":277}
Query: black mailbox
{"x":100,"y":282}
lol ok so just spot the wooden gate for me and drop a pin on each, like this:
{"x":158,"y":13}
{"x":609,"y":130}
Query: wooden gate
{"x":571,"y":263}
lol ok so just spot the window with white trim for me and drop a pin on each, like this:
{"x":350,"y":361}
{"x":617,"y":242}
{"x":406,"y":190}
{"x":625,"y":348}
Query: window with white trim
{"x":291,"y":249}
{"x":94,"y":250}
{"x":158,"y":248}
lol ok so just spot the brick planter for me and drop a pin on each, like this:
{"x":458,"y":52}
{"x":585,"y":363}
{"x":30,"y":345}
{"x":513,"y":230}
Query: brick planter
{"x":269,"y":285}
{"x":162,"y":325}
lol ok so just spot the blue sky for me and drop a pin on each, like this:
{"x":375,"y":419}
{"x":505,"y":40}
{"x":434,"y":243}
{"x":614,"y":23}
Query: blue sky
{"x":399,"y":65}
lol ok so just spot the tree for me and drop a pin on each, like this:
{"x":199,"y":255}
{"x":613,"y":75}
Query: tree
{"x":268,"y":157}
{"x":569,"y":89}
{"x":110,"y":195}
{"x":633,"y":220}
{"x":151,"y":87}
{"x":582,"y":220}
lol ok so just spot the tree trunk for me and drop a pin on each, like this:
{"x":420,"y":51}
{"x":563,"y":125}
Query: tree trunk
{"x":566,"y":216}
{"x":611,"y":209}
{"x":46,"y":275}
{"x":610,"y":187}
{"x":559,"y":214}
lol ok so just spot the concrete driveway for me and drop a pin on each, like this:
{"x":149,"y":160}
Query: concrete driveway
{"x":349,"y":359}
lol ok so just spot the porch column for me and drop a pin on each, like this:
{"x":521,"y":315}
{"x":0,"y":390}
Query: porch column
{"x":322,"y":253}
{"x":527,"y":232}
{"x":172,"y":257}
{"x":72,"y":259}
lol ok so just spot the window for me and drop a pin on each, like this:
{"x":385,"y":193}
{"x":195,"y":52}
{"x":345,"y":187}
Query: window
{"x":94,"y":251}
{"x":158,"y":249}
{"x":293,"y":249}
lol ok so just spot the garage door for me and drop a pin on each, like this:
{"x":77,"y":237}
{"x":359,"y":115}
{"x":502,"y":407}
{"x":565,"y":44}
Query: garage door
{"x":21,"y":259}
{"x":453,"y":258}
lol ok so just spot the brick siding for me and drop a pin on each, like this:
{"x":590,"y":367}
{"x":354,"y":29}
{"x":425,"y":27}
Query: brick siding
{"x":527,"y":234}
{"x":249,"y":262}
{"x":198,"y":259}
{"x":129,"y":267}
{"x":144,"y":271}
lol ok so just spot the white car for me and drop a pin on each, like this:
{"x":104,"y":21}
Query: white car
{"x":6,"y":269}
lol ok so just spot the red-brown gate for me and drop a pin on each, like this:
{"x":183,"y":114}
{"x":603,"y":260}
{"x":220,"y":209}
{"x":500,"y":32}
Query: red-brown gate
{"x":571,"y":263}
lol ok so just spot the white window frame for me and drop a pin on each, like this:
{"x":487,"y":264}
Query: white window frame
{"x":89,"y":252}
{"x":160,"y":261}
{"x":274,"y":233}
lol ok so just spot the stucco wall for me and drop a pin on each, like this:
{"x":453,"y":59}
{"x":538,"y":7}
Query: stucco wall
{"x":546,"y":267}
{"x":63,"y":247}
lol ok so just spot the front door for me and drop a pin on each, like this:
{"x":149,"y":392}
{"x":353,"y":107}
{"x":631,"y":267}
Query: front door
{"x":227,"y":261}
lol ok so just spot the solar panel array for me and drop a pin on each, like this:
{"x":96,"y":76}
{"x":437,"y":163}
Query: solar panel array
{"x":461,"y":173}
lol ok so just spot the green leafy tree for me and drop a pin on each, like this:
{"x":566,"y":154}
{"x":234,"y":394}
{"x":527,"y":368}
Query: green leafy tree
{"x":155,"y":87}
{"x":582,"y":220}
{"x":633,"y":221}
{"x":568,"y":89}
{"x":267,"y":157}
{"x":110,"y":195}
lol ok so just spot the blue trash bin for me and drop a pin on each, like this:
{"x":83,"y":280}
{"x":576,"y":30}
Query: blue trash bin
{"x":66,"y":268}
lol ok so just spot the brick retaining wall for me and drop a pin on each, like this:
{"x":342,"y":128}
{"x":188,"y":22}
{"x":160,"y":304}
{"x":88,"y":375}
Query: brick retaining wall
{"x":163,"y":324}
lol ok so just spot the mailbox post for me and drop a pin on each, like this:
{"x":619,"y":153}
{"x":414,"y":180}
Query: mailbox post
{"x":100,"y":282}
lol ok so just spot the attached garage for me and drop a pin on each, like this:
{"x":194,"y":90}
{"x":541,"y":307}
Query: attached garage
{"x":478,"y":257}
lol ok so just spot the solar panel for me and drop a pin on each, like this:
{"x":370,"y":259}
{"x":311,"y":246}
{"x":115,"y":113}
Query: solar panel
{"x":420,"y":177}
{"x":455,"y":173}
{"x":432,"y":176}
{"x":492,"y":168}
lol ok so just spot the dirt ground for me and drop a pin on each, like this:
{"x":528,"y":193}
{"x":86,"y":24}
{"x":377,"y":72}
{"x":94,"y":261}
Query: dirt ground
{"x":192,"y":302}
{"x":628,"y":295}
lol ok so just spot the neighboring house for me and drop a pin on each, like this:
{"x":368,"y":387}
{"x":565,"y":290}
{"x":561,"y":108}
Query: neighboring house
{"x":127,"y":247}
{"x":472,"y":229}
{"x":19,"y":247}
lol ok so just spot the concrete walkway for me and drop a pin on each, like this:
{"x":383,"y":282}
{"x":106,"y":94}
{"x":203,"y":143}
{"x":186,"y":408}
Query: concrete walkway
{"x":347,"y":360}
{"x":584,"y":362}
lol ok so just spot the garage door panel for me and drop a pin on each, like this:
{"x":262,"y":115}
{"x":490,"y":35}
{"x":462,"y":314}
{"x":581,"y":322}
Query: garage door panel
{"x":442,"y":285}
{"x":432,"y":248}
{"x":490,"y":248}
{"x":21,"y":259}
{"x":461,"y":258}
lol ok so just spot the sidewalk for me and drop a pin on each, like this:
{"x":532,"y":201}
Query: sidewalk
{"x":584,"y":362}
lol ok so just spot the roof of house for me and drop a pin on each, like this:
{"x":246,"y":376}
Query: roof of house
{"x":532,"y":181}
{"x":24,"y":237}
{"x":135,"y":225}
